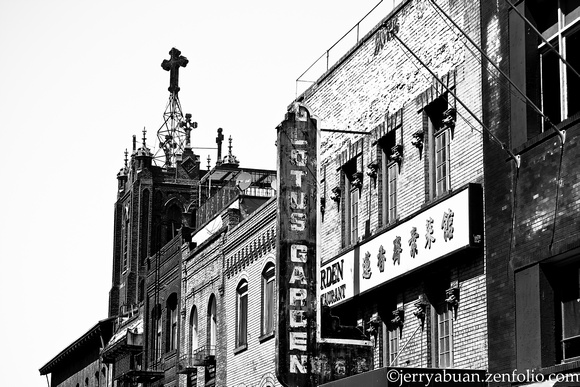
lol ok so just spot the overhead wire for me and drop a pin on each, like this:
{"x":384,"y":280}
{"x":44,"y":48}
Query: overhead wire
{"x":492,"y":136}
{"x":515,"y":158}
{"x":522,"y":97}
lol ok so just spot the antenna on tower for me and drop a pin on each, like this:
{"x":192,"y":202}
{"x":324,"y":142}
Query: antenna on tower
{"x":173,"y":135}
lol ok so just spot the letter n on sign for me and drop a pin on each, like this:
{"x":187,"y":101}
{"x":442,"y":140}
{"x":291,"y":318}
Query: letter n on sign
{"x":296,"y":248}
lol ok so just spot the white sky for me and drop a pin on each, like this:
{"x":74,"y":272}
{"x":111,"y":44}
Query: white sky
{"x":77,"y":80}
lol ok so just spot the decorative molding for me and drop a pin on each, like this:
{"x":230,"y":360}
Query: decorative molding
{"x":372,"y":170}
{"x":452,"y":298}
{"x":417,"y":139}
{"x":357,"y":180}
{"x":449,"y":118}
{"x":420,"y":308}
{"x":396,"y":154}
{"x":398,"y":318}
{"x":374,"y":324}
{"x":335,"y":196}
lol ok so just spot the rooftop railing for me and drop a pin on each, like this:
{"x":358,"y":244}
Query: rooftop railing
{"x":350,"y":39}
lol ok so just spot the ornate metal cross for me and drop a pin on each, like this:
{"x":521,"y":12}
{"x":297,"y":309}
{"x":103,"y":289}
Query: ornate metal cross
{"x":172,"y":65}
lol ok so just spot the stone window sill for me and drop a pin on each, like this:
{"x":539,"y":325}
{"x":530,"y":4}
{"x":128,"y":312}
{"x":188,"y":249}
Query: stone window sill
{"x":240,"y":349}
{"x":266,"y":336}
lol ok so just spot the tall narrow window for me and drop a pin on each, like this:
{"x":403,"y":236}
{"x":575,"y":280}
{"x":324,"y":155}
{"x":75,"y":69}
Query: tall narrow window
{"x":125,"y":236}
{"x":389,"y":173}
{"x":212,"y":326}
{"x":444,"y":334}
{"x":353,"y":214}
{"x":438,"y":160}
{"x":171,"y":341}
{"x":352,"y":183}
{"x":173,"y":222}
{"x":442,"y":162}
{"x":392,"y":344}
{"x":268,"y":299}
{"x":557,"y":21}
{"x":242,"y":314}
{"x":156,"y":332}
{"x":569,"y":296}
{"x":193,"y":333}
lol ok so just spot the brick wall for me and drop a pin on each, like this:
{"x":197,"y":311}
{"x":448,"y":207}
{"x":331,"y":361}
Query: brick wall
{"x":498,"y":174}
{"x":249,"y":248}
{"x":364,"y":89}
{"x":203,"y":279}
{"x":362,"y":92}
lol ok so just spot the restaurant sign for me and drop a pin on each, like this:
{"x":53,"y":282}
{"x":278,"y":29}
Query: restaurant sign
{"x":296,"y":248}
{"x":450,"y":225}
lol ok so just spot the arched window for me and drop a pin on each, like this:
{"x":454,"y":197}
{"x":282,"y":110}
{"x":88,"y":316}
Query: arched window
{"x":211,"y":325}
{"x":268,"y":275}
{"x":242,"y":314}
{"x":193,"y":332}
{"x":171,"y":339}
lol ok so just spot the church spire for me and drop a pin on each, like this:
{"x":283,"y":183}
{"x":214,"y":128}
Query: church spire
{"x":230,"y":159}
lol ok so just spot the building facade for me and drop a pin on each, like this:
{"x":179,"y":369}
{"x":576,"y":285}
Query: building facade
{"x":532,"y":205}
{"x":401,"y":186}
{"x":219,"y":321}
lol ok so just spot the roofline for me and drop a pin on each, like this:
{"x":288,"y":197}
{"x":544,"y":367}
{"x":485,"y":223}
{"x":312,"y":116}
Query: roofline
{"x":46,"y":369}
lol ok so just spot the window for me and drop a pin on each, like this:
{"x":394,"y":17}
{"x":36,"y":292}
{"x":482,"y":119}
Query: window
{"x":156,"y":330}
{"x":352,"y":183}
{"x":389,"y":173}
{"x":268,"y":299}
{"x":441,"y":162}
{"x":569,"y":298}
{"x":242,"y":314}
{"x":211,"y":325}
{"x":173,"y":222}
{"x":556,"y":20}
{"x":171,"y":340}
{"x":392,"y":345}
{"x":438,"y":135}
{"x":193,"y":332}
{"x":444,"y":336}
{"x":125,"y":236}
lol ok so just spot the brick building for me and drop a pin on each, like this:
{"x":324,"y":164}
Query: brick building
{"x":250,"y":295}
{"x":401,"y":186}
{"x":231,"y":222}
{"x":531,"y":208}
{"x":80,"y":363}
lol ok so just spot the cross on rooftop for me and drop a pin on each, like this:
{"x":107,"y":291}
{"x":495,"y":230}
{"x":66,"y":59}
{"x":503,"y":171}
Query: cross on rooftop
{"x":172,"y":65}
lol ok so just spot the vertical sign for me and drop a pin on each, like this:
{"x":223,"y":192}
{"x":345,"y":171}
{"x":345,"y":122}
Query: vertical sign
{"x":296,"y":248}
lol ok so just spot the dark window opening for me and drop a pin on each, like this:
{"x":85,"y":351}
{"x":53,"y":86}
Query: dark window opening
{"x":242,"y":314}
{"x":438,"y":160}
{"x":569,"y":297}
{"x":268,"y":299}
{"x":389,"y":172}
{"x":352,"y":183}
{"x":171,"y":339}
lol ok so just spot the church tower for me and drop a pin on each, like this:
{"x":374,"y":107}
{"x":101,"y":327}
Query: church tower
{"x":156,"y":197}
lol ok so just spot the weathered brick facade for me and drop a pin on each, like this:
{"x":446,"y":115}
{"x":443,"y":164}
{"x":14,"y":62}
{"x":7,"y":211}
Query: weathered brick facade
{"x":531,"y":210}
{"x":248,"y":250}
{"x":377,"y":88}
